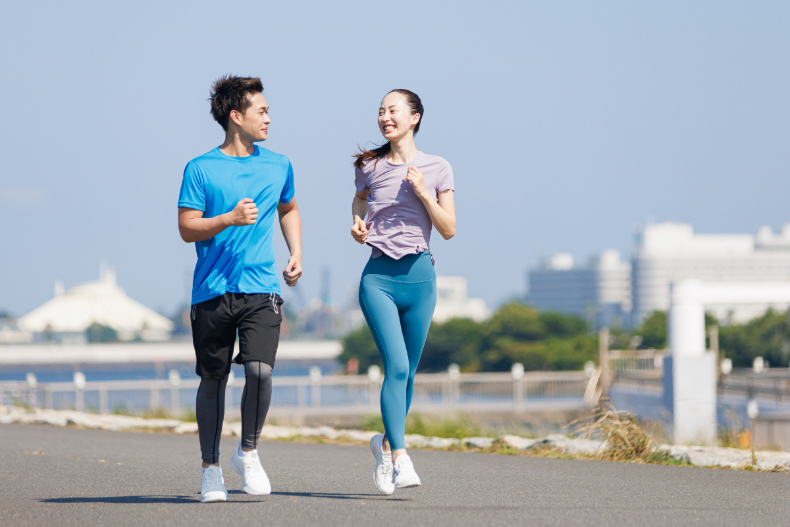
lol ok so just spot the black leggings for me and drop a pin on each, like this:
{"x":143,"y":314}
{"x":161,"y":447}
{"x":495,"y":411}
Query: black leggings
{"x":210,"y":409}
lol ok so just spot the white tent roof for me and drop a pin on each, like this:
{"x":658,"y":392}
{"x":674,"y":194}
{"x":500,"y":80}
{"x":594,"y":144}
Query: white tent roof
{"x":101,"y":302}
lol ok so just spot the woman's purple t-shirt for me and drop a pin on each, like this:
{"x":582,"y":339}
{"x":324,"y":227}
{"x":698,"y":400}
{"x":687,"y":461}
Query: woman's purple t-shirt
{"x":398,"y":223}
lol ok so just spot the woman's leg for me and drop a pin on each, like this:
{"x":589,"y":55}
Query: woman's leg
{"x":415,"y":322}
{"x":381,"y":313}
{"x":255,"y":400}
{"x":210,"y":412}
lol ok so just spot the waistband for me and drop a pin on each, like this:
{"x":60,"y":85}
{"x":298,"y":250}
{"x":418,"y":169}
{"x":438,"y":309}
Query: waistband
{"x":408,"y":269}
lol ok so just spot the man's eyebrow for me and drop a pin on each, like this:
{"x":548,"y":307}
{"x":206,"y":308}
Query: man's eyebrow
{"x":263,"y":108}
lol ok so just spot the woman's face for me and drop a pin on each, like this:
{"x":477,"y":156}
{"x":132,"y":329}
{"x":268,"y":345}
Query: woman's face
{"x":395,"y":118}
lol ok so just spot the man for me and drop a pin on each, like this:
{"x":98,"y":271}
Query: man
{"x":226,"y":207}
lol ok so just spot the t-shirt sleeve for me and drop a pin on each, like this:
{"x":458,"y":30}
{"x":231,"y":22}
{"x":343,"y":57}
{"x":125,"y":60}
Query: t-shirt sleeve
{"x":288,"y":191}
{"x":360,"y":180}
{"x":193,"y":194}
{"x":446,"y":180}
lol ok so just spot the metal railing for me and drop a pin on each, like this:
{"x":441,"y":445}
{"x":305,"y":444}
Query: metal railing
{"x":636,"y":363}
{"x":315,"y":394}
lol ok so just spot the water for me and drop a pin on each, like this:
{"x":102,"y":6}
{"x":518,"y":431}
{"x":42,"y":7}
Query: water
{"x":146,"y":371}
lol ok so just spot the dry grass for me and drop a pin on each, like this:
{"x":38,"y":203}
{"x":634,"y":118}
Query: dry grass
{"x":627,"y":439}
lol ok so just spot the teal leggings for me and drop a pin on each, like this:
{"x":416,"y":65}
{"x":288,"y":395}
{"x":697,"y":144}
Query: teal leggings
{"x":398,"y":298}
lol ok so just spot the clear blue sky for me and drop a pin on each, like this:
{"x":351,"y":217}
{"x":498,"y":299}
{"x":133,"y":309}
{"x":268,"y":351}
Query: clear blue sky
{"x":565,"y":123}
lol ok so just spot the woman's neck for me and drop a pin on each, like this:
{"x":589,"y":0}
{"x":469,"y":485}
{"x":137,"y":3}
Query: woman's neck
{"x":402,"y":151}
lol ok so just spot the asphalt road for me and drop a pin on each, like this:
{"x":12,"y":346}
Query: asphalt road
{"x":69,"y":477}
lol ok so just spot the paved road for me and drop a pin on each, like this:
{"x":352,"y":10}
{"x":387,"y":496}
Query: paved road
{"x":91,"y":477}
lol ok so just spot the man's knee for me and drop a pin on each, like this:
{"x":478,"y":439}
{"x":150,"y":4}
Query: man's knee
{"x":259,"y":370}
{"x":211,"y":385}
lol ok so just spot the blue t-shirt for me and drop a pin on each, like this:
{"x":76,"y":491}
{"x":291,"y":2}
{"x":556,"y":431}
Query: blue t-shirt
{"x":238,"y":259}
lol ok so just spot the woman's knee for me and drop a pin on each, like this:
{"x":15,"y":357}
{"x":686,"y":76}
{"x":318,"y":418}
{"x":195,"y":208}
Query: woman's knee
{"x":397,"y":371}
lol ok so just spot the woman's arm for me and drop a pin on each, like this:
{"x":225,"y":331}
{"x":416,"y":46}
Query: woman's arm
{"x":442,"y":213}
{"x":359,"y":210}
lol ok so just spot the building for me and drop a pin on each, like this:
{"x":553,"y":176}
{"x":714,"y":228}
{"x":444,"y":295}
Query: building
{"x":666,"y":252}
{"x":67,"y":317}
{"x":452,"y":302}
{"x":599,"y":292}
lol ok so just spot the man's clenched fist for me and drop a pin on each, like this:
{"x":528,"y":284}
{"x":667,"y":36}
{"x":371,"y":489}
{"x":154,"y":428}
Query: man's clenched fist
{"x":244,"y":213}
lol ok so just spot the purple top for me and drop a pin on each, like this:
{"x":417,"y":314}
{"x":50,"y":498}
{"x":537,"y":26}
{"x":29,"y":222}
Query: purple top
{"x":398,"y":223}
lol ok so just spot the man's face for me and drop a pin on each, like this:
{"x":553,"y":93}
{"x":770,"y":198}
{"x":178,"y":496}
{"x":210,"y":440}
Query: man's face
{"x":254,"y":122}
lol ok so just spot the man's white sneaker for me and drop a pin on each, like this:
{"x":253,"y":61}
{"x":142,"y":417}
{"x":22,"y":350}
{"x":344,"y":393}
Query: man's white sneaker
{"x":253,"y":478}
{"x":405,"y":476}
{"x":212,"y":485}
{"x":382,"y":475}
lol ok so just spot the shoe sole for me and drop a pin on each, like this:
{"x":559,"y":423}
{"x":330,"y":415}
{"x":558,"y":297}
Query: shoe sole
{"x":376,"y":481}
{"x":244,"y":488}
{"x":214,"y":499}
{"x":409,"y":486}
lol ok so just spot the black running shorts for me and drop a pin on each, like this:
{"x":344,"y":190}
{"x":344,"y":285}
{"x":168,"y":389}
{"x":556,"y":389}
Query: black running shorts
{"x":255,"y":317}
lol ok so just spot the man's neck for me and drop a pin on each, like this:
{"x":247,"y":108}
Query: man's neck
{"x":403,"y":151}
{"x":237,"y":146}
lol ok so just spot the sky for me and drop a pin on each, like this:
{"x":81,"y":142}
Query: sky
{"x":566,"y":123}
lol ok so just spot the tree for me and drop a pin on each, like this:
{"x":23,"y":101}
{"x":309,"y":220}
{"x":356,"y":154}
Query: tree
{"x":653,"y":331}
{"x":360,"y":345}
{"x":99,"y":333}
{"x":516,"y":321}
{"x":766,"y":336}
{"x":456,"y":341}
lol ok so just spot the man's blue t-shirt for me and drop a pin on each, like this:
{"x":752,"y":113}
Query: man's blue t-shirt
{"x":238,"y":259}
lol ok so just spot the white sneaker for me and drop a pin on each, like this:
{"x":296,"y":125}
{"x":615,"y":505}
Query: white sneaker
{"x":382,"y":476}
{"x":405,"y":476}
{"x":212,"y":485}
{"x":253,"y":478}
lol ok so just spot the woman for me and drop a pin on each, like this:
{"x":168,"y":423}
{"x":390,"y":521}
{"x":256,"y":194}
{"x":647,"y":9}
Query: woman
{"x":404,"y":193}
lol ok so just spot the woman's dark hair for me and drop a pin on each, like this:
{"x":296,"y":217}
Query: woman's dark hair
{"x":377,"y":153}
{"x":230,"y":93}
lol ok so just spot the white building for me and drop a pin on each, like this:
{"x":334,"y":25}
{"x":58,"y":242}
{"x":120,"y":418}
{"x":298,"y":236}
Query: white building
{"x":66,"y":317}
{"x":599,"y":292}
{"x":453,"y":303}
{"x":667,"y":252}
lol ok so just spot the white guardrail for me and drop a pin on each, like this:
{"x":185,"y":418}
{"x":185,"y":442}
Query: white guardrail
{"x":314,"y":394}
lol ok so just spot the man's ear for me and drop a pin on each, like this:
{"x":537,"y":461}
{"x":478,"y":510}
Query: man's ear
{"x":234,"y":116}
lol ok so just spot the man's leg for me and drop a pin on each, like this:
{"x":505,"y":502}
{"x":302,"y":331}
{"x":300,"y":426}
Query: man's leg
{"x":259,"y":334}
{"x":210,"y":412}
{"x":213,"y":335}
{"x":255,"y":400}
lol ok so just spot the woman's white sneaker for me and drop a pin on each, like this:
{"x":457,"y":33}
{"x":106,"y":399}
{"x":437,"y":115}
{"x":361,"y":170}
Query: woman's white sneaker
{"x":253,"y":478}
{"x":212,"y":485}
{"x":382,"y":475}
{"x":404,"y":475}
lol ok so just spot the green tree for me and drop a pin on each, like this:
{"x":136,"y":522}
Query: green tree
{"x":360,"y":345}
{"x":766,"y":336}
{"x":653,"y":331}
{"x":560,"y":325}
{"x":516,"y":321}
{"x":458,"y":340}
{"x":99,"y":333}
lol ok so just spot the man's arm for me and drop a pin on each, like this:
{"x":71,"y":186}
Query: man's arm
{"x":193,"y":227}
{"x":291,"y":225}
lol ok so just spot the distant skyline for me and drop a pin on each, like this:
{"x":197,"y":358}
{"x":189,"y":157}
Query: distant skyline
{"x":565,"y":123}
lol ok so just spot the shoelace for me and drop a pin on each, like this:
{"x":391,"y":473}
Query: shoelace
{"x":213,"y":478}
{"x":252,"y":461}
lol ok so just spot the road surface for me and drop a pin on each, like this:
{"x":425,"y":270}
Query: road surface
{"x":70,"y":477}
